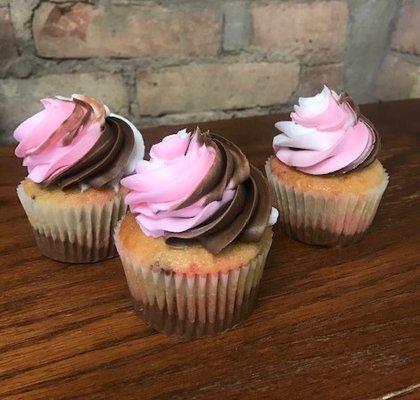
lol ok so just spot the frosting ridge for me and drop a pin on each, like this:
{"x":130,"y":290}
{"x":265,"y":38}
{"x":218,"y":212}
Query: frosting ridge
{"x":199,"y":187}
{"x":77,"y":141}
{"x":326,"y":135}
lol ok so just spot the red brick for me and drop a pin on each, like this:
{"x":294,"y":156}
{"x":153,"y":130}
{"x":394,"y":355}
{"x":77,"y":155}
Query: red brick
{"x":292,"y":29}
{"x":398,"y":79}
{"x":83,"y":30}
{"x":406,"y":37}
{"x":8,"y":50}
{"x":313,"y":78}
{"x":208,"y":87}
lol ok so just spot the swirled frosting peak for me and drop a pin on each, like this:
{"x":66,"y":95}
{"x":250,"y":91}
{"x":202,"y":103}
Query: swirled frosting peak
{"x":78,"y":142}
{"x":326,"y":135}
{"x":199,"y":187}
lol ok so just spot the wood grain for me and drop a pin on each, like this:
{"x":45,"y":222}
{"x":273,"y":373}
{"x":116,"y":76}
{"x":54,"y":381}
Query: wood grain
{"x":340,"y":323}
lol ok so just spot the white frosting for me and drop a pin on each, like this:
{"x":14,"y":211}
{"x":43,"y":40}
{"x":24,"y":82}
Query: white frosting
{"x":274,"y":214}
{"x":308,"y":106}
{"x":183,"y":134}
{"x":137,"y":153}
{"x":300,"y":137}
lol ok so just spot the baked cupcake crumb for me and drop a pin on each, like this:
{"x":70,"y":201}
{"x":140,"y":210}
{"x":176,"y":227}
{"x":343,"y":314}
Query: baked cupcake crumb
{"x":357,"y":182}
{"x":72,"y":196}
{"x":192,"y":259}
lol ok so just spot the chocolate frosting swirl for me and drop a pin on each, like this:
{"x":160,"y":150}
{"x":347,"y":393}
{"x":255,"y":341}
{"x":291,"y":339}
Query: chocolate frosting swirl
{"x":105,"y":163}
{"x":370,"y":154}
{"x":245,"y":217}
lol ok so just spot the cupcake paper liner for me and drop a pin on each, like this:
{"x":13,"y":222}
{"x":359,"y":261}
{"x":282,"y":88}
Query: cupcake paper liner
{"x":323,"y":219}
{"x":191,"y":306}
{"x":74,"y":234}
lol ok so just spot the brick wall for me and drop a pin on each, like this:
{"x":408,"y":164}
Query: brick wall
{"x":189,"y":60}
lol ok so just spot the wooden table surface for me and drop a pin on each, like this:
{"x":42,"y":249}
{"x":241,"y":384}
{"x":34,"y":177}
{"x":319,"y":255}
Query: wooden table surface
{"x":338,"y":323}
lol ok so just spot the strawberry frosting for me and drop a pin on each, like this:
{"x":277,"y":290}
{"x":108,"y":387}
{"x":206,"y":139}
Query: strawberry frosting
{"x":325,"y":135}
{"x":43,"y":156}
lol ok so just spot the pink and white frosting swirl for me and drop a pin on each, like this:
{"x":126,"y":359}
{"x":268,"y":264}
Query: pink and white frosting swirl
{"x":161,"y":185}
{"x":199,"y":187}
{"x":326,"y":135}
{"x":77,"y":141}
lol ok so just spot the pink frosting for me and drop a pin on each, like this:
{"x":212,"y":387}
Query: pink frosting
{"x":323,"y":136}
{"x":41,"y":141}
{"x":177,"y":166}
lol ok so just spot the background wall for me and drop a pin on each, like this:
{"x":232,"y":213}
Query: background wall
{"x":178,"y":60}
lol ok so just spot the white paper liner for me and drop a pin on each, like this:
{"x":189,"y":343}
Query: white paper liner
{"x":192,"y":306}
{"x":76,"y":234}
{"x":326,"y":220}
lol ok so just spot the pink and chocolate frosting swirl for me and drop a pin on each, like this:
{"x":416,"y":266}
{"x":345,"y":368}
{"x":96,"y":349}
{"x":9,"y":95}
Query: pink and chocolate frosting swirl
{"x":199,"y":188}
{"x":77,"y":142}
{"x":326,"y":136}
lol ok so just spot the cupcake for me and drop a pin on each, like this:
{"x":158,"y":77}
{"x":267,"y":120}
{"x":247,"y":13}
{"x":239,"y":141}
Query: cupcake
{"x":195,"y":241}
{"x":325,"y":175}
{"x":76,"y":153}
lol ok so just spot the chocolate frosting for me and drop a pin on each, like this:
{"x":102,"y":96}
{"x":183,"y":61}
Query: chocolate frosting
{"x":105,"y":162}
{"x":245,"y":217}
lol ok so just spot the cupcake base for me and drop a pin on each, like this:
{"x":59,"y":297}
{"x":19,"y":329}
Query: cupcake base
{"x":173,"y":325}
{"x":73,"y":227}
{"x":191,"y":307}
{"x":320,"y":237}
{"x":326,"y":211}
{"x":72,"y":252}
{"x":186,"y":304}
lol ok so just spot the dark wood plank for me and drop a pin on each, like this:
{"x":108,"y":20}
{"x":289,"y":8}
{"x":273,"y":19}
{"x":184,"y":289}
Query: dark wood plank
{"x":330,"y":323}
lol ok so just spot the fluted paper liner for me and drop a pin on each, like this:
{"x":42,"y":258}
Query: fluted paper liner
{"x":325,"y":220}
{"x":77,"y":233}
{"x":190,"y":306}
